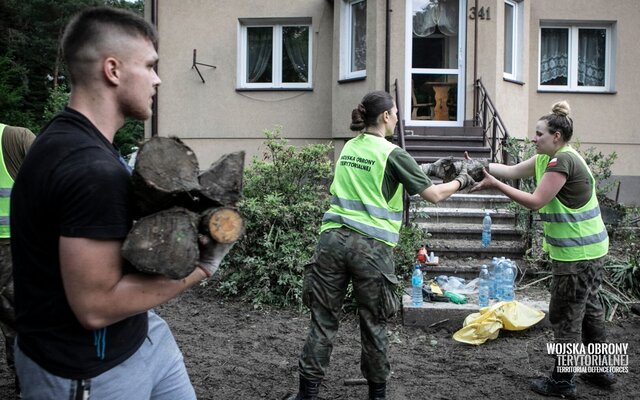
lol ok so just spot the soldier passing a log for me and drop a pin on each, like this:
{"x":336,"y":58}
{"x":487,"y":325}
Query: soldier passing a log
{"x":358,"y":234}
{"x":82,"y":311}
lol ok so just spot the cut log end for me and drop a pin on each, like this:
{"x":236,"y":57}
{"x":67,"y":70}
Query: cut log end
{"x":224,"y":224}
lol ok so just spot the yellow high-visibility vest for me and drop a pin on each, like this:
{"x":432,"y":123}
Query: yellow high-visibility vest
{"x":358,"y":201}
{"x":572,"y":234}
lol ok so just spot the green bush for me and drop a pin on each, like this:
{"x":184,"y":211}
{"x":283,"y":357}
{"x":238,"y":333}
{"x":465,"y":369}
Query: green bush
{"x":285,"y":196}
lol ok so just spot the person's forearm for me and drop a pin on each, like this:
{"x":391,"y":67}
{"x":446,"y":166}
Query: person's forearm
{"x":500,"y":171}
{"x":437,"y":193}
{"x":134,"y":294}
{"x":525,"y":199}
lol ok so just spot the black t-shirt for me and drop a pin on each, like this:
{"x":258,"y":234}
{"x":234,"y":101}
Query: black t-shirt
{"x":72,"y":184}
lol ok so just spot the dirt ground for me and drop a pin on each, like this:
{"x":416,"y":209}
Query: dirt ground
{"x":233,"y":351}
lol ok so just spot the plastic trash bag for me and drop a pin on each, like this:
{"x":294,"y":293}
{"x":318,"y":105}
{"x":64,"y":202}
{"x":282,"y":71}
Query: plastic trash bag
{"x":486,"y":324}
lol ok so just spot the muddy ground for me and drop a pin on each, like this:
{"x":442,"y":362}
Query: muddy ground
{"x":233,"y":351}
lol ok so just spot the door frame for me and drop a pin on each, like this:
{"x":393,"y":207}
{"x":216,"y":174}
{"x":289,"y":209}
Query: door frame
{"x":460,"y":71}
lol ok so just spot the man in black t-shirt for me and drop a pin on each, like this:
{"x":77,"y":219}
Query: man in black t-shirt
{"x":81,"y":313}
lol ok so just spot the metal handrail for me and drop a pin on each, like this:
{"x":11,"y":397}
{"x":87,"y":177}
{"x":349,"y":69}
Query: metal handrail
{"x":400,"y":132}
{"x":487,"y":116}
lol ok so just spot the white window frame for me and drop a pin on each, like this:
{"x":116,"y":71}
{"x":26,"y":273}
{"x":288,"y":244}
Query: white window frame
{"x":276,"y":68}
{"x":572,"y":69}
{"x":517,"y":44}
{"x":346,"y":41}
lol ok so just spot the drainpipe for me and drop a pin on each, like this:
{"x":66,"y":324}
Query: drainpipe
{"x":475,"y":65}
{"x":387,"y":55}
{"x":154,"y":107}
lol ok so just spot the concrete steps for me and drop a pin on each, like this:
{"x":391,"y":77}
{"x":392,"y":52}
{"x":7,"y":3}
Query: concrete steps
{"x":455,"y":228}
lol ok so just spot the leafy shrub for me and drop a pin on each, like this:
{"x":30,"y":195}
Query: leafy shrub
{"x":600,"y":165}
{"x":285,"y":196}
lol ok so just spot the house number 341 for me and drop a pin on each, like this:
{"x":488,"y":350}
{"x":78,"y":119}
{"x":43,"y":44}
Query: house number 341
{"x":481,"y":14}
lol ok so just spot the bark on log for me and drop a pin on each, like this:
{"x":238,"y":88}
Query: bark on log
{"x":222,"y":182}
{"x":164,"y":243}
{"x":223,"y":224}
{"x":165,"y":175}
{"x":449,"y":172}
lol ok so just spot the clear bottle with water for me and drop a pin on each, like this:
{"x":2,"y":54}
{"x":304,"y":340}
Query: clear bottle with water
{"x":499,"y":272}
{"x":416,"y":286}
{"x":508,"y":277}
{"x":492,"y":278}
{"x":486,"y":230}
{"x":483,"y":287}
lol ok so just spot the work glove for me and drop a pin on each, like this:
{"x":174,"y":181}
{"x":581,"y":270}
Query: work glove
{"x":439,"y":168}
{"x":463,"y":177}
{"x":211,"y":254}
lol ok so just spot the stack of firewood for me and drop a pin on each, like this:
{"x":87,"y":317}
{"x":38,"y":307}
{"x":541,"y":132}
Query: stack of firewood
{"x":174,"y":204}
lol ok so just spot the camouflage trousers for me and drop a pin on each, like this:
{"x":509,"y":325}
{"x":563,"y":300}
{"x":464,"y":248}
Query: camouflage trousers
{"x":343,"y":255}
{"x":575,"y":312}
{"x":7,"y":311}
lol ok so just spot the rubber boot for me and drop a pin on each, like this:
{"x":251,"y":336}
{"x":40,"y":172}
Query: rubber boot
{"x":557,"y":385}
{"x":308,"y":389}
{"x":377,"y":391}
{"x":601,"y":379}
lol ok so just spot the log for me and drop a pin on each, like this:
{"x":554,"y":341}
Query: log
{"x":165,"y":175}
{"x":164,"y":243}
{"x":222,"y":181}
{"x":223,"y":224}
{"x":451,"y":170}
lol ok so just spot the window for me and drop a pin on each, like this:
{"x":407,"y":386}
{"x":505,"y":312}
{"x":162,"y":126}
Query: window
{"x":513,"y":34}
{"x":353,"y":46}
{"x":275,"y":55}
{"x":575,"y":58}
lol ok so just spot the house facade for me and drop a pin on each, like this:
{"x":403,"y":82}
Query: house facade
{"x":232,"y":68}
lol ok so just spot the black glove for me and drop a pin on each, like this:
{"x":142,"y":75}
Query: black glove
{"x":438,"y":168}
{"x":463,"y":177}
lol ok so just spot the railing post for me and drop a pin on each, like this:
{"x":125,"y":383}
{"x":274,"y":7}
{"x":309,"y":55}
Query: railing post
{"x":484,"y":117}
{"x":494,"y":138}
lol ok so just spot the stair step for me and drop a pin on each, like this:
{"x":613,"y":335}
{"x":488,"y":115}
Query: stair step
{"x":471,"y":231}
{"x":470,"y":200}
{"x":443,"y":130}
{"x":438,"y":215}
{"x":461,"y":248}
{"x":436,"y":138}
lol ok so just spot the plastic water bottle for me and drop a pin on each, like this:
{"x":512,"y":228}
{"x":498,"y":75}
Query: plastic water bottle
{"x":498,"y":273}
{"x":493,"y":278}
{"x":508,"y":277}
{"x":483,"y":287}
{"x":416,"y":286}
{"x":486,"y":230}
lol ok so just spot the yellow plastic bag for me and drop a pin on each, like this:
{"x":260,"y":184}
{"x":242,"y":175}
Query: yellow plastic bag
{"x":486,"y":324}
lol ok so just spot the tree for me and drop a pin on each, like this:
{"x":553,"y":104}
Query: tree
{"x":31,"y":67}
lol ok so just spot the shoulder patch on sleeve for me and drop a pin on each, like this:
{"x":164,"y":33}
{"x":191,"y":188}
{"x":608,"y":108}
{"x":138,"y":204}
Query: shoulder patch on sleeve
{"x":553,"y":162}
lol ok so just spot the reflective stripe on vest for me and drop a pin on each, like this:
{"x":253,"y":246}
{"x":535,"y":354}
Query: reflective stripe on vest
{"x":572,"y":234}
{"x":6,"y":183}
{"x":358,"y":201}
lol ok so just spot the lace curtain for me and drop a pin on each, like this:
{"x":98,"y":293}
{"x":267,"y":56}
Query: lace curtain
{"x":259,"y":53}
{"x":296,"y":44}
{"x":554,"y":56}
{"x":432,"y":14}
{"x":591,"y":57}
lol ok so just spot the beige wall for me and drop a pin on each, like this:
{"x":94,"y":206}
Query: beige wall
{"x":189,"y":108}
{"x":606,"y":121}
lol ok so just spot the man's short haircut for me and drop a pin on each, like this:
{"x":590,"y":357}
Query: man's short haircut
{"x":90,"y":28}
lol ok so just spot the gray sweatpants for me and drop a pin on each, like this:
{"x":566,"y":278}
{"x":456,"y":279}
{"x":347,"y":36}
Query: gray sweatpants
{"x":156,"y":371}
